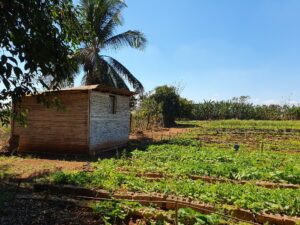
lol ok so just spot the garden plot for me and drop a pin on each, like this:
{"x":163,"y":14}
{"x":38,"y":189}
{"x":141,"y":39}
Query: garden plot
{"x":254,"y":179}
{"x":179,"y":161}
{"x":258,"y":183}
{"x":255,"y":135}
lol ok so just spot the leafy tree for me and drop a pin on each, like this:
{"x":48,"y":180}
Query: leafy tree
{"x":168,"y":100}
{"x":150,"y":110}
{"x":37,"y":38}
{"x":185,"y":108}
{"x":161,"y":107}
{"x":100,"y":18}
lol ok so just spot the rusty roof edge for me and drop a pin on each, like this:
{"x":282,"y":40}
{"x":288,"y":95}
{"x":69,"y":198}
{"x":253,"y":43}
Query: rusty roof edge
{"x":95,"y":87}
{"x":101,"y":88}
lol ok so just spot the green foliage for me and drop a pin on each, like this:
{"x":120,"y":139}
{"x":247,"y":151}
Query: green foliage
{"x":161,"y":106}
{"x":100,"y":20}
{"x":186,"y":108}
{"x":168,"y":100}
{"x":78,"y":178}
{"x":188,"y":216}
{"x":247,"y":165}
{"x":176,"y":160}
{"x":111,"y":212}
{"x":241,"y":108}
{"x":245,"y":125}
{"x":249,"y":196}
{"x":148,"y":114}
{"x":37,"y":38}
{"x":179,"y":160}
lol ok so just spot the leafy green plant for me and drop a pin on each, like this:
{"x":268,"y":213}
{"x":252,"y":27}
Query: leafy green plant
{"x":111,"y":212}
{"x":176,"y":161}
{"x":188,"y":216}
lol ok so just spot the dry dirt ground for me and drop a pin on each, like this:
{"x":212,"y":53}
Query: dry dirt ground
{"x":15,"y":211}
{"x":158,"y":134}
{"x":26,"y":167}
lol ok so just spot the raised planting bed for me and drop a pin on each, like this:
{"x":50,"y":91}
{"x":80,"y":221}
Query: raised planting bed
{"x":185,"y":160}
{"x":169,"y":202}
{"x":158,"y":176}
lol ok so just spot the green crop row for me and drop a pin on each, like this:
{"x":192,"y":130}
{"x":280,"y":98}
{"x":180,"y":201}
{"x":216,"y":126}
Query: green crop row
{"x":113,"y":212}
{"x":252,"y":197}
{"x":249,"y":134}
{"x":184,"y":157}
{"x":246,"y":124}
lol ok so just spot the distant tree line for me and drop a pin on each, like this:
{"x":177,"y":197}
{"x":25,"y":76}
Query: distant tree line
{"x":241,"y":108}
{"x":163,"y":105}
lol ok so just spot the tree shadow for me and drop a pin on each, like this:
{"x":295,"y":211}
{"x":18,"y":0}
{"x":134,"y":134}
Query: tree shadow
{"x":178,"y":125}
{"x":6,"y":174}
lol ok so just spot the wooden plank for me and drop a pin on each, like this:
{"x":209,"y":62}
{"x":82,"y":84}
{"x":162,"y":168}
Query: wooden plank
{"x":53,"y":131}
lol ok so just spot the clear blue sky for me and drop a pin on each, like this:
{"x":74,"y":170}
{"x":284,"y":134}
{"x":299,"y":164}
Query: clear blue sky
{"x":218,"y":49}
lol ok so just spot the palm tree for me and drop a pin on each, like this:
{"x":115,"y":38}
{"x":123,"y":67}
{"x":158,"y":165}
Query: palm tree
{"x":100,"y":19}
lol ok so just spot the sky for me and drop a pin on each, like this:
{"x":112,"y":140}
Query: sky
{"x":217,"y":49}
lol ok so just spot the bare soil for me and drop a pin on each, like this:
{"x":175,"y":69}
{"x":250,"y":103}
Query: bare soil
{"x":158,"y":134}
{"x":26,"y":168}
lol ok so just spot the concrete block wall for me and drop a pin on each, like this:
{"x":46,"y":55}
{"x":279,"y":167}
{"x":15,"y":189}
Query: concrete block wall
{"x":108,"y":130}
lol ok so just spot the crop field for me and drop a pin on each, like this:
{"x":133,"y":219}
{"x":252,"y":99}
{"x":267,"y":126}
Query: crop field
{"x":255,"y":135}
{"x":262,"y":176}
{"x":203,"y":165}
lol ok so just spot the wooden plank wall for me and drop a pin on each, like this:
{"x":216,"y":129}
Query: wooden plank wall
{"x":50,"y":130}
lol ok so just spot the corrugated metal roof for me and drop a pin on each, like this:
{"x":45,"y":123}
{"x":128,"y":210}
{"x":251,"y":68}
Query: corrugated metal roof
{"x":101,"y":88}
{"x":85,"y":87}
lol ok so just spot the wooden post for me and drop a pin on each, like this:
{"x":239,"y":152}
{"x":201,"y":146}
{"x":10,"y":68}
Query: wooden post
{"x":117,"y":153}
{"x":176,"y":213}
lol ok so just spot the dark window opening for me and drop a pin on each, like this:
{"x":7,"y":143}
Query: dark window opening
{"x":112,"y":104}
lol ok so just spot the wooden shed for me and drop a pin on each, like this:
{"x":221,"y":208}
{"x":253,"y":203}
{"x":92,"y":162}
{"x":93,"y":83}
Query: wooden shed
{"x":94,"y":118}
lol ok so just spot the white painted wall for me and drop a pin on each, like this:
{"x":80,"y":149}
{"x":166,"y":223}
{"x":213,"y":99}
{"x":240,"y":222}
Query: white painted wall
{"x":106,"y":129}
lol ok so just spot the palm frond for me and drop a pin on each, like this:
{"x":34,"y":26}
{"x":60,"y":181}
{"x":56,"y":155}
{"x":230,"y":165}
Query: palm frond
{"x":132,"y":38}
{"x":113,"y":13}
{"x":124,"y":72}
{"x":100,"y":13}
{"x":100,"y":19}
{"x":119,"y":82}
{"x":108,"y":28}
{"x":86,"y":57}
{"x":98,"y":73}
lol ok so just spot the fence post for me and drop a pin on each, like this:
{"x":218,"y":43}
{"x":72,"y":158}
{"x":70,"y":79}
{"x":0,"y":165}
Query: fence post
{"x":117,"y":153}
{"x":176,"y":213}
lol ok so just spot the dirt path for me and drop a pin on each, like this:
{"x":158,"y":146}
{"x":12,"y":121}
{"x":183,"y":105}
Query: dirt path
{"x":25,"y":168}
{"x":158,"y":134}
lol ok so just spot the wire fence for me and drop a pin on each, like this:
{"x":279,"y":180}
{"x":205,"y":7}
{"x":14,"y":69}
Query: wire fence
{"x":176,"y":205}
